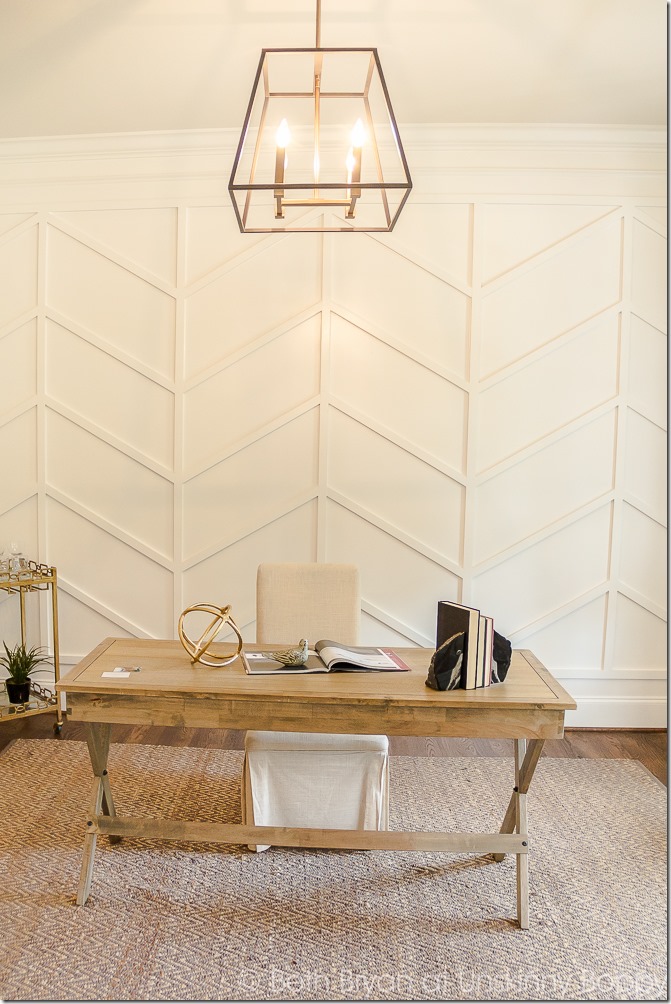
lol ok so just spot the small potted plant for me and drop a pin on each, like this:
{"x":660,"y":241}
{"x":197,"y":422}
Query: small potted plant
{"x":20,"y":663}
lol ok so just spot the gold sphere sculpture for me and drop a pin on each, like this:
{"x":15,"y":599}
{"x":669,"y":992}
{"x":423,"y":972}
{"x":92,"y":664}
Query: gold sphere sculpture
{"x":199,"y":649}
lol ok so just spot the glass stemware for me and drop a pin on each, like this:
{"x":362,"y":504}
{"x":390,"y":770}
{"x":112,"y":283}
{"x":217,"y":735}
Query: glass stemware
{"x":17,"y":560}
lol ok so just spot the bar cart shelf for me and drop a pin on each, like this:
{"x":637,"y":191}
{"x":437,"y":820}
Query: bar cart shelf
{"x":33,"y":578}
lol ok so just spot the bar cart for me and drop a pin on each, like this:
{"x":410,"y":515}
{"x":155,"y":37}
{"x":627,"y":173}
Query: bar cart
{"x":33,"y":577}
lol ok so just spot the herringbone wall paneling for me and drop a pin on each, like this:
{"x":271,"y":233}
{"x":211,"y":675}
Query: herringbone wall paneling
{"x":473,"y":407}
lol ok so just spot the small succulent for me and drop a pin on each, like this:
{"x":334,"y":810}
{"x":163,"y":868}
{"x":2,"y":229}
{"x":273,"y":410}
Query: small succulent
{"x":20,"y":661}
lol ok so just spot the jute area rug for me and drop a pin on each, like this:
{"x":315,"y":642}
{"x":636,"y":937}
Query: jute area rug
{"x":169,"y":921}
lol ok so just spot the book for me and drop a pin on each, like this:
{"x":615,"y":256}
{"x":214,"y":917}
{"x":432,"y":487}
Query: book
{"x":482,"y":630}
{"x":488,"y":654}
{"x":485,"y":651}
{"x":453,"y":618}
{"x":330,"y":657}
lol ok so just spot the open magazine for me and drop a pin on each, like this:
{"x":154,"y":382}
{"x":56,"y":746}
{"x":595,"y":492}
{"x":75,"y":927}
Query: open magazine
{"x":328,"y":657}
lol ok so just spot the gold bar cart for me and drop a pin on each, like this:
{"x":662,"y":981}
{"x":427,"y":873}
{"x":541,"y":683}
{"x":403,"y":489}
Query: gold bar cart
{"x":34,"y":577}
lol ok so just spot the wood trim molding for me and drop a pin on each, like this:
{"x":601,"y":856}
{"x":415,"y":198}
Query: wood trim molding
{"x":446,"y":159}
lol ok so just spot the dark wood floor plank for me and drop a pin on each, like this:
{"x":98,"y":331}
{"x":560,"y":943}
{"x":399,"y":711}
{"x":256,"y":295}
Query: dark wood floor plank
{"x":647,"y":746}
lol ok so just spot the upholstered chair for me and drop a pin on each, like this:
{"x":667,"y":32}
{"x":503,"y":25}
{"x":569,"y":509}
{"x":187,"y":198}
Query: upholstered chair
{"x":312,"y":779}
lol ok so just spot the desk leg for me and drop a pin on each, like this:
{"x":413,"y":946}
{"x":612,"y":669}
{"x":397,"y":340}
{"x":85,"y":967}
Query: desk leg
{"x":526,"y":772}
{"x":515,"y":819}
{"x":101,"y":802}
{"x":521,"y":827}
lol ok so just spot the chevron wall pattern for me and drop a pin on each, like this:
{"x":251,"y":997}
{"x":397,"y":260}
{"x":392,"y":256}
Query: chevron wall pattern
{"x":470,"y":408}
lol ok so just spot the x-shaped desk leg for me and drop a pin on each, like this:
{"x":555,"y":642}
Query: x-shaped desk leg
{"x":98,"y":739}
{"x":515,"y":819}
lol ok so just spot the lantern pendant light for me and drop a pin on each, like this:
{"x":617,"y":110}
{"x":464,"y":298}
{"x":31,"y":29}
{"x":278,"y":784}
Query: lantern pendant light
{"x":319,"y":148}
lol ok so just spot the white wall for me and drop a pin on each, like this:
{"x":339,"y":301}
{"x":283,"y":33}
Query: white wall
{"x":473,"y":407}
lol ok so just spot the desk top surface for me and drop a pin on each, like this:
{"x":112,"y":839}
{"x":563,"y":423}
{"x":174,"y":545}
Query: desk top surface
{"x":167,"y":670}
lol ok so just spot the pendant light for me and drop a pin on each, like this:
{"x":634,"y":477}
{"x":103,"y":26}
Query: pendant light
{"x":319,"y":148}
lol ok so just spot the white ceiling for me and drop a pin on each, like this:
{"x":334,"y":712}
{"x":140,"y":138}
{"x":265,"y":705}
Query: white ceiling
{"x":99,"y":66}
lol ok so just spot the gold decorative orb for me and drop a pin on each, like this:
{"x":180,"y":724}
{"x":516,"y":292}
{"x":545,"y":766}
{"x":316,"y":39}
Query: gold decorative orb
{"x":198,"y":649}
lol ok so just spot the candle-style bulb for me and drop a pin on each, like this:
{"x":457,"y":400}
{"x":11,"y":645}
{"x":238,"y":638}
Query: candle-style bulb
{"x":283,"y":134}
{"x":282,"y":139}
{"x":353,"y":165}
{"x":358,"y":134}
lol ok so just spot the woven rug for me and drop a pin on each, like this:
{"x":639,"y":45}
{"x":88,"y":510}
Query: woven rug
{"x":168,"y":921}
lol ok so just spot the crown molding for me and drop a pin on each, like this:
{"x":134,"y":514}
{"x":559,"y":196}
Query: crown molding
{"x":448,"y":159}
{"x":437,"y":137}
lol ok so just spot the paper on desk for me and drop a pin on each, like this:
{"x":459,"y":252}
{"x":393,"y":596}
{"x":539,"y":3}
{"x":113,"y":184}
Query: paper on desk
{"x":117,"y":675}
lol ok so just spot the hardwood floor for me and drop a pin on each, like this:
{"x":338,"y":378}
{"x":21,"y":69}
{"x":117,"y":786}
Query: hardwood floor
{"x":647,"y":746}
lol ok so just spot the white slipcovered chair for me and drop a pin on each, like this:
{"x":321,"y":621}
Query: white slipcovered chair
{"x":302,"y":778}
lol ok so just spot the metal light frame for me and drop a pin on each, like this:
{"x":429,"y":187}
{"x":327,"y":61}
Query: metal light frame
{"x":284,"y":204}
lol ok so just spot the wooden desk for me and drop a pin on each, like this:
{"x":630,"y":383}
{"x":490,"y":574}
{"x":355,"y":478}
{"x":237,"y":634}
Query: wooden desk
{"x":528,"y":708}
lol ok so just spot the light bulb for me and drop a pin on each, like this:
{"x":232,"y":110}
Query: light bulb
{"x":358,"y":134}
{"x":283,"y":135}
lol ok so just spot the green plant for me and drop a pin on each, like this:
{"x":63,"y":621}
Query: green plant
{"x":20,"y":661}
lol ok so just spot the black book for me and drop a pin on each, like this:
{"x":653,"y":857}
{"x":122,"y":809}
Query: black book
{"x":453,"y":618}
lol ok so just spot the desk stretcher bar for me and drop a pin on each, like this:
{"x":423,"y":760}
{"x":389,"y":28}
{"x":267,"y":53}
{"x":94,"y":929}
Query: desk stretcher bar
{"x":284,"y":836}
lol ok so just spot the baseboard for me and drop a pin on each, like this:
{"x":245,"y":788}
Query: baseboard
{"x":621,"y":728}
{"x":618,"y":713}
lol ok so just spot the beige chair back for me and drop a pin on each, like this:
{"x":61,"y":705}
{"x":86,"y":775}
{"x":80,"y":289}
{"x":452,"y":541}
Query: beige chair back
{"x":307,"y":600}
